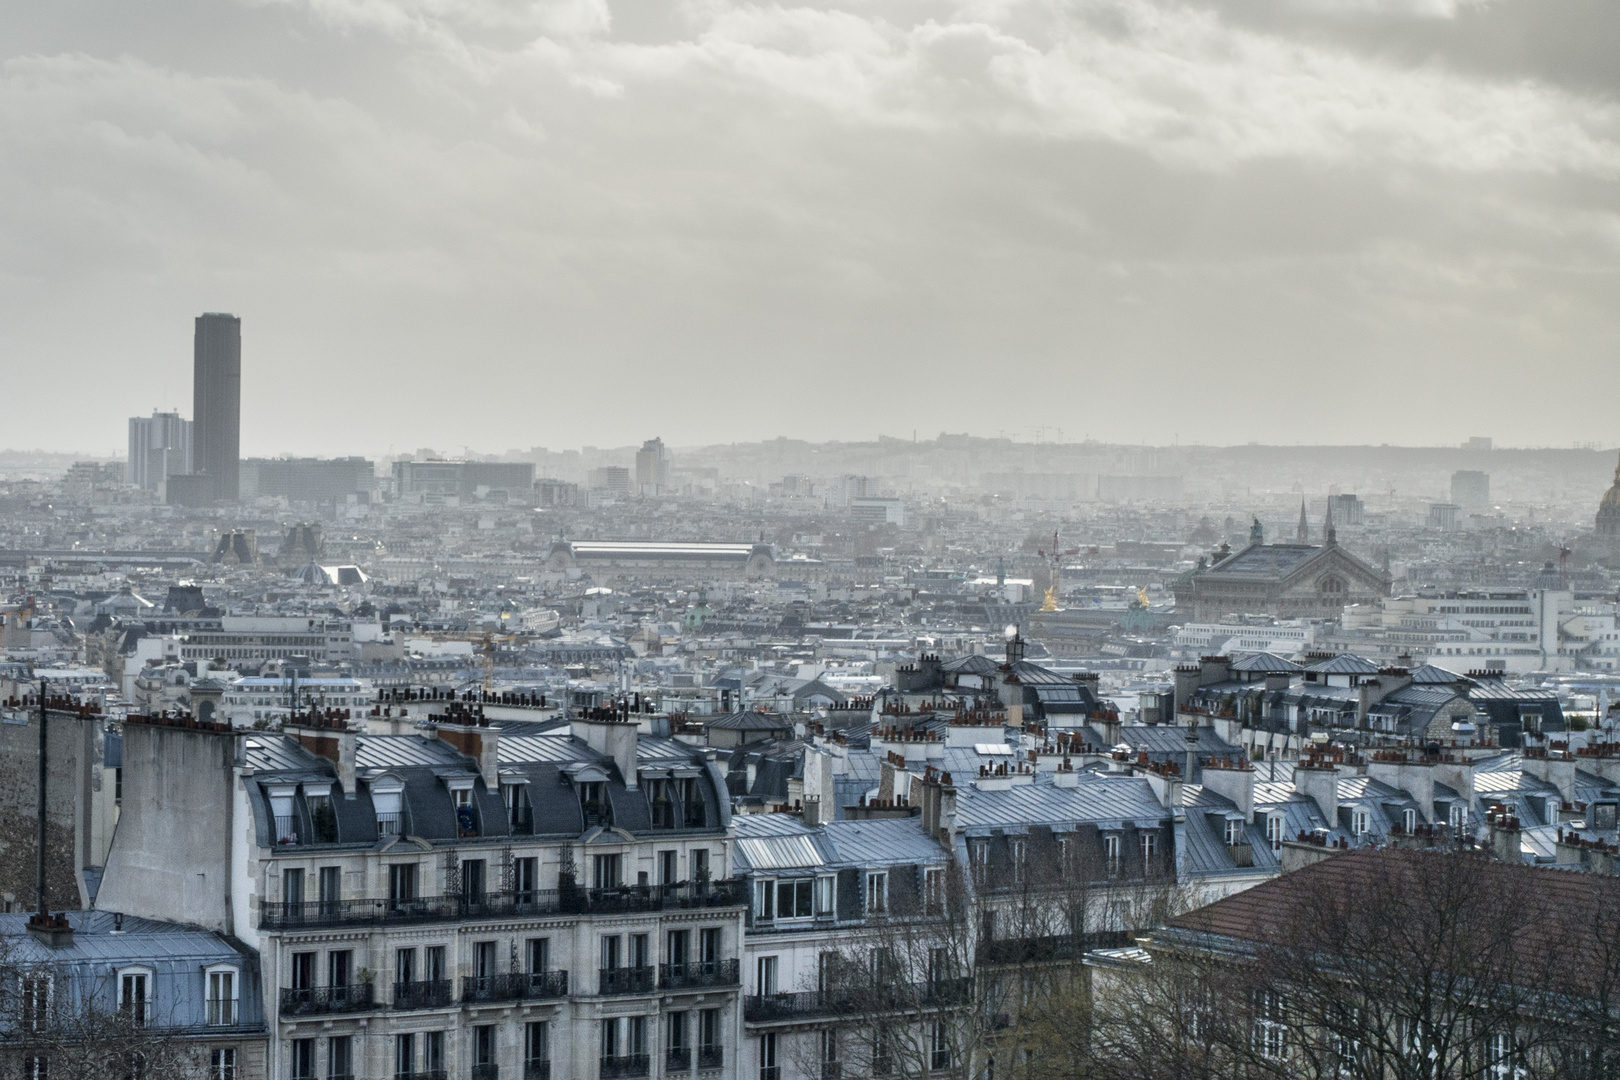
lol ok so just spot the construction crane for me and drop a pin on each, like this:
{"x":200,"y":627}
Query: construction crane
{"x":486,"y":643}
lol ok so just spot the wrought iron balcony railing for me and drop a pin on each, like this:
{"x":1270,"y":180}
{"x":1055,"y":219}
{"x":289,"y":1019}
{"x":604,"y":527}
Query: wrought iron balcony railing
{"x":703,"y":973}
{"x":642,"y":980}
{"x":362,"y":911}
{"x":614,"y":1068}
{"x":423,"y":994}
{"x":515,"y":986}
{"x":310,"y":1000}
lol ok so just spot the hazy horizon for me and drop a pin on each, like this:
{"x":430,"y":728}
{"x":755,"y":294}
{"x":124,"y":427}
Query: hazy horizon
{"x":588,"y":222}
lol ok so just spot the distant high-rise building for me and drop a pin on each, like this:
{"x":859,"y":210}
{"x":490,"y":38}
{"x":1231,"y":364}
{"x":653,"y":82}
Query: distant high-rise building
{"x":216,"y":395}
{"x":610,"y":479}
{"x":1347,"y":509}
{"x":1471,"y":489}
{"x":652,"y":468}
{"x":159,"y":447}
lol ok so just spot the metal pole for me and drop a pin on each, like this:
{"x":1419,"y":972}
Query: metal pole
{"x":39,"y":854}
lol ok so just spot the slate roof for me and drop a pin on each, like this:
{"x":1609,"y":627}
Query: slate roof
{"x":1264,"y":663}
{"x":1344,"y":664}
{"x":1266,"y":560}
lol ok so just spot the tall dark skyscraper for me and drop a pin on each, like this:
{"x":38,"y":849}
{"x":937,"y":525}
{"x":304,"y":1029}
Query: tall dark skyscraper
{"x":216,"y":402}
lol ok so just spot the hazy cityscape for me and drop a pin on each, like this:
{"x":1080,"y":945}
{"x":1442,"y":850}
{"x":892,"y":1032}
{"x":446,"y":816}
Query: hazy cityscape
{"x":810,"y":540}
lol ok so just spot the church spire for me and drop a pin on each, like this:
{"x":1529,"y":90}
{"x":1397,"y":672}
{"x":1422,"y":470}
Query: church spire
{"x":1329,"y":536}
{"x":1304,"y":533}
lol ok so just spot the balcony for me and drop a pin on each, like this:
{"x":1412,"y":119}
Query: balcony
{"x":832,"y":1070}
{"x":312,"y":1000}
{"x":704,"y":973}
{"x":425,"y":994}
{"x":517,"y":903}
{"x":1049,"y":949}
{"x":641,"y":980}
{"x":679,"y":1060}
{"x":690,"y":894}
{"x":629,"y":1065}
{"x":710,"y":1057}
{"x":425,"y":1074}
{"x":486,"y":1071}
{"x":516,"y":986}
{"x":899,"y":997}
{"x":537,"y":1069}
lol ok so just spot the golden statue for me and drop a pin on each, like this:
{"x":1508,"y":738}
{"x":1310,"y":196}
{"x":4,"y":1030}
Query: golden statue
{"x":1051,"y":599}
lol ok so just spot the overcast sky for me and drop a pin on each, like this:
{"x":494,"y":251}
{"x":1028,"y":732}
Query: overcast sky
{"x":505,"y":224}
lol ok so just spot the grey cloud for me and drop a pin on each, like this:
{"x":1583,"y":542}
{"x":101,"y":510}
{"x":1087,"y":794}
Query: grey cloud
{"x":575,"y":222}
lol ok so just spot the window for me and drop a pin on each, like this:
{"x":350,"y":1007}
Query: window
{"x":824,"y":894}
{"x":979,"y":859}
{"x":636,"y":1036}
{"x":610,"y":1038}
{"x":675,"y":1034}
{"x":709,"y":945}
{"x":292,"y":890}
{"x":794,"y":900}
{"x":525,"y":879}
{"x":640,"y":951}
{"x":1111,"y":853}
{"x":1409,"y":821}
{"x":1501,"y":1057}
{"x":331,"y":886}
{"x":606,"y":871}
{"x":484,"y":960}
{"x":1459,"y":816}
{"x":433,"y":967}
{"x":675,"y":946}
{"x":695,"y":813}
{"x":669,"y":871}
{"x":484,"y":1044}
{"x":539,"y":950}
{"x":401,"y":882}
{"x":933,"y":890}
{"x":339,"y":1057}
{"x":882,"y":1052}
{"x":1015,"y":851}
{"x":404,"y":1054}
{"x":222,"y":1064}
{"x":1274,"y":831}
{"x":1150,"y":848}
{"x":829,"y":1053}
{"x":134,"y":998}
{"x":1234,"y":832}
{"x":700,"y":864}
{"x":302,"y":1059}
{"x":339,"y":967}
{"x":472,"y":880}
{"x":303,"y":970}
{"x":590,"y":801}
{"x":939,"y":1047}
{"x":1269,"y":1035}
{"x":36,"y":1001}
{"x":877,"y":892}
{"x":36,"y":1068}
{"x":1360,"y":822}
{"x":433,"y":1051}
{"x":766,"y":984}
{"x":612,"y":954}
{"x":222,"y":998}
{"x":768,"y":1069}
{"x":536,"y":1042}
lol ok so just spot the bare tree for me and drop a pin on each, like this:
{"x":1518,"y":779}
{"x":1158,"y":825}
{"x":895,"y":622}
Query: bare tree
{"x":55,"y":1021}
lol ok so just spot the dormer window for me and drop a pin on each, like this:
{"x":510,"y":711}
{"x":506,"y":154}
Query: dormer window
{"x":322,"y":815}
{"x":135,"y":994}
{"x":519,"y":814}
{"x":1409,"y":821}
{"x":1360,"y":822}
{"x":1459,"y":815}
{"x":223,"y":995}
{"x":1274,"y":831}
{"x":1234,"y":832}
{"x":386,"y":795}
{"x":591,"y":800}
